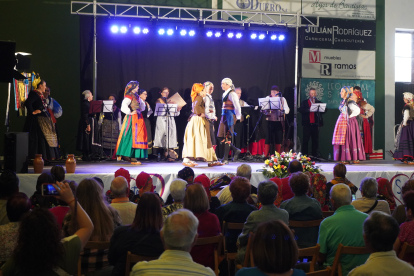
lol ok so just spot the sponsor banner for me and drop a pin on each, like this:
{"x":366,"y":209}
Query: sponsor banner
{"x":338,"y":64}
{"x":355,"y":9}
{"x":340,"y":34}
{"x":328,"y":90}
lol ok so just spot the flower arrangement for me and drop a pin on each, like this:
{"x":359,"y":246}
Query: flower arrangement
{"x":277,"y":164}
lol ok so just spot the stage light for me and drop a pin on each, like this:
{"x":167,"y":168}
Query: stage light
{"x":137,"y":30}
{"x":114,"y":29}
{"x":209,"y":33}
{"x":273,"y":37}
{"x":239,"y":35}
{"x":183,"y":32}
{"x":230,"y":35}
{"x":161,"y":31}
{"x":124,"y":29}
{"x":191,"y":33}
{"x":170,"y":32}
{"x":262,"y":36}
{"x":281,"y":37}
{"x":145,"y":31}
{"x":253,"y":36}
{"x":217,"y":34}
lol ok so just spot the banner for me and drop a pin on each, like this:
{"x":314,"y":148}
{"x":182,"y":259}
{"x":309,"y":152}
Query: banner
{"x":340,"y":34}
{"x":355,"y":9}
{"x":328,"y":91}
{"x":338,"y":64}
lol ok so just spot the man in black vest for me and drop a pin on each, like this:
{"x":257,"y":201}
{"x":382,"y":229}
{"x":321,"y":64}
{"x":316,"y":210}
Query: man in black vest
{"x":311,"y":122}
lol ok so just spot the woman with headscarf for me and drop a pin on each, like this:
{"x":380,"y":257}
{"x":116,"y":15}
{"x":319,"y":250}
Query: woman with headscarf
{"x":347,"y":142}
{"x":144,"y":184}
{"x":197,"y":142}
{"x":231,"y":107}
{"x":214,"y":202}
{"x":132,"y":141}
{"x":367,"y":111}
{"x":146,"y":113}
{"x":385,"y":192}
{"x":404,"y":140}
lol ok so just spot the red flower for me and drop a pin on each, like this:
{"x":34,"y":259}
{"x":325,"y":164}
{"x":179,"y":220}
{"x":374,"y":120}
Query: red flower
{"x":304,"y":166}
{"x":282,"y":167}
{"x":271,"y":164}
{"x":313,"y":163}
{"x":275,"y":160}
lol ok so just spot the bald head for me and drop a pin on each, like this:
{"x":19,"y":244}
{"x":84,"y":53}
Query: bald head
{"x":119,"y":187}
{"x":340,"y":195}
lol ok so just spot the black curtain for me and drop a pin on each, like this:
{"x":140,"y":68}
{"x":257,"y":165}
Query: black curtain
{"x":178,"y":62}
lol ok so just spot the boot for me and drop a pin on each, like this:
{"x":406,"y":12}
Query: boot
{"x":236,"y":152}
{"x":266,"y":150}
{"x":277,"y":147}
{"x":226,"y":153}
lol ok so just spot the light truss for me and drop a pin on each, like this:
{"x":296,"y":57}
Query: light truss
{"x":165,"y":13}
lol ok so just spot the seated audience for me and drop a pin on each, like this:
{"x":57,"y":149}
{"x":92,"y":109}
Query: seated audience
{"x":237,"y":210}
{"x":196,"y":201}
{"x":399,"y":213}
{"x":140,"y":238}
{"x":9,"y":184}
{"x":283,"y":183}
{"x":266,"y":193}
{"x":187,"y":174}
{"x":274,"y":251}
{"x":214,"y":202}
{"x":380,"y":232}
{"x":339,"y":173}
{"x":179,"y":235}
{"x":43,"y":201}
{"x":40,"y":249}
{"x":17,"y":206}
{"x":369,"y":201}
{"x":407,"y":228}
{"x":177,"y":190}
{"x":61,"y":211}
{"x":385,"y":192}
{"x":302,"y":208}
{"x":58,"y":172}
{"x":319,"y":190}
{"x":104,"y":218}
{"x":125,"y":173}
{"x":344,"y":226}
{"x":120,"y":201}
{"x":144,"y":184}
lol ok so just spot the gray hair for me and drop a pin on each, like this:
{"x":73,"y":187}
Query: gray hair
{"x":381,"y":230}
{"x":267,"y":192}
{"x":244,"y":170}
{"x":341,"y":194}
{"x":86,"y":94}
{"x":177,"y":189}
{"x":119,"y":186}
{"x":180,"y":230}
{"x":369,"y":187}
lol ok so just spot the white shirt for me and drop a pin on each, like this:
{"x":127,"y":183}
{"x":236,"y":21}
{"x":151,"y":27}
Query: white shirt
{"x":235,"y":100}
{"x":126,"y":102}
{"x":208,"y":100}
{"x":285,"y":105}
{"x":355,"y":110}
{"x":126,"y":211}
{"x":364,"y":204}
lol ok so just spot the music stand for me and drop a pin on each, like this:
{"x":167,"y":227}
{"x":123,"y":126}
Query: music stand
{"x":318,"y":107}
{"x":166,"y":110}
{"x":108,"y":107}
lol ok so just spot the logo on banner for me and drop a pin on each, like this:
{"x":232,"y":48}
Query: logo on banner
{"x":318,"y":87}
{"x":326,"y":69}
{"x":314,"y":56}
{"x":243,"y":4}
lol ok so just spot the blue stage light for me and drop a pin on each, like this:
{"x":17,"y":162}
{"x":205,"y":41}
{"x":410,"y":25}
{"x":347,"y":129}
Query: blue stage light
{"x":114,"y":29}
{"x":191,"y":33}
{"x":230,"y":35}
{"x":124,"y":29}
{"x":145,"y":31}
{"x":137,"y":30}
{"x":262,"y":36}
{"x":183,"y":32}
{"x":217,"y":34}
{"x":161,"y":31}
{"x":209,"y":33}
{"x":170,"y":32}
{"x":253,"y":36}
{"x":239,"y":35}
{"x":281,"y":37}
{"x":273,"y":37}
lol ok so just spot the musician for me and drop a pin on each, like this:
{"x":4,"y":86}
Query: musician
{"x":86,"y":127}
{"x":311,"y":122}
{"x":275,"y":120}
{"x":240,"y":129}
{"x":242,"y":103}
{"x":210,"y":111}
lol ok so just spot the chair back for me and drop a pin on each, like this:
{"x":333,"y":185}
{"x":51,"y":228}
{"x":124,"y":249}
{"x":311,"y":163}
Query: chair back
{"x":310,"y":251}
{"x":132,"y":259}
{"x":304,"y":224}
{"x":406,"y":249}
{"x":217,"y":240}
{"x":248,"y":257}
{"x":224,"y":229}
{"x":325,"y":272}
{"x":327,"y":213}
{"x":354,"y":250}
{"x":99,"y":245}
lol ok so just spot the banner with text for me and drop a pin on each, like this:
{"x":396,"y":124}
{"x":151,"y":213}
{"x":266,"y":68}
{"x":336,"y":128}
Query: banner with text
{"x":338,"y":64}
{"x":340,"y":34}
{"x":328,"y":90}
{"x":356,"y":9}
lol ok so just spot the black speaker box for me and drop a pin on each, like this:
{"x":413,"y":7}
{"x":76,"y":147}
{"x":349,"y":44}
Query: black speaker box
{"x":16,"y":151}
{"x":7,"y":60}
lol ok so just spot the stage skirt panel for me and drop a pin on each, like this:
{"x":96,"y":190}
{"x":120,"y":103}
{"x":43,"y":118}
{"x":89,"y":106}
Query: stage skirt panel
{"x":149,"y":134}
{"x":367,"y":137}
{"x":405,"y":139}
{"x":196,"y":140}
{"x":353,"y":149}
{"x":110,"y":134}
{"x":160,"y":139}
{"x":132,"y":139}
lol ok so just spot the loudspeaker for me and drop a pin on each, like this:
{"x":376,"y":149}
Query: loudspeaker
{"x":16,"y":151}
{"x":7,"y":60}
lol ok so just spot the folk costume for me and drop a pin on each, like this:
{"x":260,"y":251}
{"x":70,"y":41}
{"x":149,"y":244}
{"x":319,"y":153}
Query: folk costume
{"x":311,"y":122}
{"x":111,"y":127}
{"x":132,"y":140}
{"x":210,"y":113}
{"x":365,"y":128}
{"x":197,"y":142}
{"x":347,"y":141}
{"x":404,"y":140}
{"x":146,"y":113}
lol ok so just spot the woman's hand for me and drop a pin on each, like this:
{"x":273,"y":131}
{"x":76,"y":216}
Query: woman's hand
{"x":36,"y":112}
{"x":134,"y":112}
{"x":64,"y":191}
{"x":88,"y":128}
{"x":178,"y":108}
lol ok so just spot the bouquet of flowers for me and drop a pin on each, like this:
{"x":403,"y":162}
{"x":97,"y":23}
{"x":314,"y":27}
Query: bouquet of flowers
{"x":278,"y":163}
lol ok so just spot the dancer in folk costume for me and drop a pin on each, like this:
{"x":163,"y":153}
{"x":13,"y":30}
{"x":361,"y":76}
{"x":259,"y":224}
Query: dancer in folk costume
{"x":367,"y":111}
{"x":132,"y":141}
{"x":210,"y":111}
{"x":404,"y":140}
{"x":347,"y":141}
{"x":197,"y":141}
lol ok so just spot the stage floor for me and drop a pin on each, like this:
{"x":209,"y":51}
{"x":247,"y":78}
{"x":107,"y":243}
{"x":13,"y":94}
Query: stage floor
{"x":105,"y":170}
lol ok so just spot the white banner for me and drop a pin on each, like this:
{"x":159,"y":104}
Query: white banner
{"x":355,"y":9}
{"x":338,"y":64}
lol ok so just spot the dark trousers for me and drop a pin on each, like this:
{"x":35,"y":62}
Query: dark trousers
{"x":310,"y":131}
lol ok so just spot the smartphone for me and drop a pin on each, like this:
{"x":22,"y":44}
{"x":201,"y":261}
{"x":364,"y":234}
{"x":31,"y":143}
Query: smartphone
{"x":353,"y":197}
{"x":48,"y":190}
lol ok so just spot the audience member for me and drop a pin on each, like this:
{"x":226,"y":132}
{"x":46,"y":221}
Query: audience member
{"x":369,"y":201}
{"x":99,"y":181}
{"x":399,"y":213}
{"x":58,"y":172}
{"x":104,"y":218}
{"x":213,"y":201}
{"x":196,"y":201}
{"x":380,"y":232}
{"x":302,"y":208}
{"x":339,"y":173}
{"x":319,"y":190}
{"x":140,"y":238}
{"x":407,"y":228}
{"x":274,"y":251}
{"x":385,"y":192}
{"x":177,"y":190}
{"x":61,"y":211}
{"x":17,"y":206}
{"x":285,"y":192}
{"x":267,"y":193}
{"x":237,"y":210}
{"x":120,"y":201}
{"x":179,"y":235}
{"x":37,"y":199}
{"x":144,"y":184}
{"x":9,"y":184}
{"x":187,"y":174}
{"x":40,"y":249}
{"x":125,"y":173}
{"x":344,"y":226}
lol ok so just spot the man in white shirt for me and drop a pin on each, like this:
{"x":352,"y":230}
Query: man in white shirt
{"x":210,"y":111}
{"x":369,"y":201}
{"x":380,"y":233}
{"x":125,"y":208}
{"x":179,"y":235}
